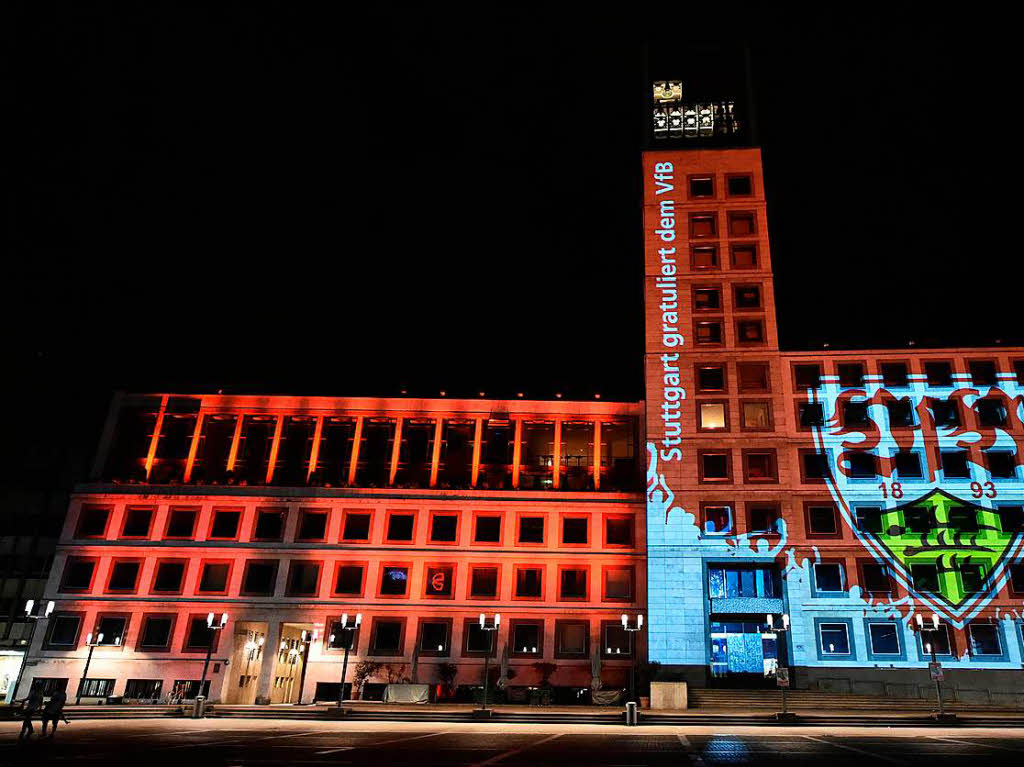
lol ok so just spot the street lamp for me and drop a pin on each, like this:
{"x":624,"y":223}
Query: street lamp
{"x":491,"y":629}
{"x":307,"y":638}
{"x":631,"y":630}
{"x":932,"y":627}
{"x":92,"y":645}
{"x":781,"y":674}
{"x":38,"y":616}
{"x":347,"y":632}
{"x":214,"y":628}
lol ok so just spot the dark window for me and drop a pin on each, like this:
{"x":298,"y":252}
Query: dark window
{"x":225,"y":524}
{"x":815,"y":465}
{"x":822,"y":520}
{"x":828,"y":576}
{"x":112,"y":628}
{"x":862,"y":465}
{"x":269,"y":525}
{"x":739,"y":186}
{"x":394,"y":581}
{"x":908,"y":464}
{"x":703,"y":225}
{"x":711,"y":378}
{"x":1018,"y":368}
{"x":123,"y":576}
{"x":434,"y":636}
{"x":938,"y":639}
{"x":574,"y":584}
{"x":1011,"y":519}
{"x":349,"y":580}
{"x":528,"y":582}
{"x":918,"y":519}
{"x":260,"y":578}
{"x":215,"y":578}
{"x":574,"y":529}
{"x":750,"y":331}
{"x":753,"y":376}
{"x":885,"y":639}
{"x":938,"y":373}
{"x":963,"y":519}
{"x":440,"y":581}
{"x":387,"y":636}
{"x":807,"y":376}
{"x":855,"y":414}
{"x":876,"y":578}
{"x":715,"y":466}
{"x":64,"y":630}
{"x":742,"y":224}
{"x":78,"y":575}
{"x":702,"y":187}
{"x":531,"y":529}
{"x":894,"y":373}
{"x":156,"y":632}
{"x":137,"y":523}
{"x":483,"y":582}
{"x":991,"y":412}
{"x":96,"y":688}
{"x":945,"y":412}
{"x":707,"y":298}
{"x":748,"y":297}
{"x":704,"y":257}
{"x":869,"y":519}
{"x":400,"y":527}
{"x":200,"y":636}
{"x":984,"y":639}
{"x":303,"y":578}
{"x":954,"y":464}
{"x":571,"y":638}
{"x":488,"y":529}
{"x":764,"y":519}
{"x":971,"y":576}
{"x":901,"y":413}
{"x":835,"y":638}
{"x":717,"y":520}
{"x":169,"y":577}
{"x":744,"y":256}
{"x":526,"y":639}
{"x":760,"y":466}
{"x":851,"y":374}
{"x":444,"y":528}
{"x":709,"y":332}
{"x":357,"y":527}
{"x":1016,"y":579}
{"x":811,"y":414}
{"x":926,"y":577}
{"x":618,"y":531}
{"x":479,"y":640}
{"x":618,"y":583}
{"x":181,"y":523}
{"x":983,"y":372}
{"x":313,"y":526}
{"x":92,"y":522}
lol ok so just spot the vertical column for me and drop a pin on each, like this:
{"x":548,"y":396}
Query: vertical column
{"x":193,"y":448}
{"x":556,"y":459}
{"x":274,"y":448}
{"x":356,"y":439}
{"x":435,"y":460}
{"x":235,"y":440}
{"x":151,"y":455}
{"x":396,"y":450}
{"x":270,"y":650}
{"x":596,"y":455}
{"x":517,"y":450}
{"x":314,"y":453}
{"x":478,"y":436}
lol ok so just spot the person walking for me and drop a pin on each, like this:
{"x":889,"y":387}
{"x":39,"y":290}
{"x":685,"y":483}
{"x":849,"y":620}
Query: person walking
{"x":53,"y":711}
{"x":30,"y":706}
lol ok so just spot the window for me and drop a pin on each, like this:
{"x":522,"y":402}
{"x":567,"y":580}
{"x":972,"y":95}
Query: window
{"x":96,"y":688}
{"x":1017,"y":578}
{"x":991,"y":412}
{"x":714,"y":467}
{"x":748,"y":297}
{"x":702,"y":186}
{"x":709,"y":332}
{"x":712,"y":416}
{"x":112,"y":627}
{"x":478,"y":641}
{"x":869,"y":519}
{"x":855,"y":414}
{"x":92,"y":522}
{"x":143,"y":689}
{"x":313,"y":526}
{"x":394,"y":581}
{"x":810,"y":414}
{"x":78,"y":574}
{"x":717,"y":520}
{"x":400,"y":527}
{"x":764,"y":519}
{"x":529,"y":582}
{"x":616,"y":641}
{"x":884,"y":638}
{"x":822,"y":520}
{"x":742,"y":224}
{"x":387,"y":637}
{"x":573,"y":583}
{"x":937,"y":639}
{"x":618,"y":584}
{"x":137,"y":523}
{"x":757,"y":416}
{"x":945,"y":413}
{"x":894,"y":374}
{"x":259,"y":578}
{"x":199,"y":635}
{"x":963,"y":519}
{"x":1011,"y":518}
{"x":984,"y":639}
{"x":483,"y":582}
{"x":744,"y":256}
{"x":440,"y":581}
{"x":908,"y":464}
{"x":739,"y":186}
{"x":704,"y":257}
{"x":711,"y":378}
{"x":876,"y":578}
{"x":531,"y":530}
{"x":807,"y":376}
{"x":1018,"y":369}
{"x":703,"y":225}
{"x":954,"y":464}
{"x":170,"y":575}
{"x":901,"y":413}
{"x":938,"y":373}
{"x":181,"y":524}
{"x":971,"y":577}
{"x":814,"y":465}
{"x":348,"y":580}
{"x":269,"y":525}
{"x":753,"y":376}
{"x":303,"y":579}
{"x":527,"y":638}
{"x":571,"y":639}
{"x":750,"y":331}
{"x":851,"y":375}
{"x":618,"y":531}
{"x":488,"y":529}
{"x":835,"y":638}
{"x":444,"y":528}
{"x":983,"y":372}
{"x":64,"y":631}
{"x":435,"y":636}
{"x":707,"y":299}
{"x":124,"y":577}
{"x":214,"y":579}
{"x":925,"y":577}
{"x":225,"y":524}
{"x":829,"y":577}
{"x":156,"y":632}
{"x":759,"y":466}
{"x":575,"y":530}
{"x":917,"y":519}
{"x":862,"y":465}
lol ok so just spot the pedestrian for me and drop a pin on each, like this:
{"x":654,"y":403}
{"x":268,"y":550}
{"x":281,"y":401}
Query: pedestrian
{"x":54,"y":711}
{"x":30,"y":706}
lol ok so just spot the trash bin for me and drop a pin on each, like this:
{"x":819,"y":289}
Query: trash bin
{"x":199,"y":709}
{"x":631,"y":714}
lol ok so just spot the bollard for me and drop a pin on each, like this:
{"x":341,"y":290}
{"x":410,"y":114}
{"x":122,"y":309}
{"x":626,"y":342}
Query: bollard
{"x":631,"y":714}
{"x":199,"y":709}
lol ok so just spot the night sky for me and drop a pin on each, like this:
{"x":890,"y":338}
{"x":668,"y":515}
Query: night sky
{"x":257,"y":198}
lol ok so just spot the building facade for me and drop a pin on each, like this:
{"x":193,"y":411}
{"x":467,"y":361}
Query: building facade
{"x":287,"y":513}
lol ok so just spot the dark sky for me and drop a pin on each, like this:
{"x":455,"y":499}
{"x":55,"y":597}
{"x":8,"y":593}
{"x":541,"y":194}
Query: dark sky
{"x":257,"y":197}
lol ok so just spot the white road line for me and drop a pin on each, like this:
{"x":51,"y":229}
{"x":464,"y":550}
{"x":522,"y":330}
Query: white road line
{"x":382,"y":742}
{"x":973,"y":743}
{"x":514,"y":751}
{"x":854,"y":749}
{"x":691,"y":751}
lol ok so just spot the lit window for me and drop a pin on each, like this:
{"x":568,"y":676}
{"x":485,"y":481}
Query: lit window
{"x":756,"y":416}
{"x":712,"y":415}
{"x":717,"y":520}
{"x":835,"y":638}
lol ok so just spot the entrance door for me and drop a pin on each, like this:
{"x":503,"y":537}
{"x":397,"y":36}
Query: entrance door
{"x":743,"y":653}
{"x":247,"y":657}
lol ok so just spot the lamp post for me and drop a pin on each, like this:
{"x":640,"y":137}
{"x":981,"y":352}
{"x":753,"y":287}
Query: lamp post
{"x":347,"y":632}
{"x":38,"y":616}
{"x":932,"y":627}
{"x":631,"y":630}
{"x":307,"y":637}
{"x":491,"y":629}
{"x":92,"y":645}
{"x":781,"y":675}
{"x":214,"y":628}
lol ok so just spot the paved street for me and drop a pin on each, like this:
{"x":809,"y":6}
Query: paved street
{"x":187,"y":743}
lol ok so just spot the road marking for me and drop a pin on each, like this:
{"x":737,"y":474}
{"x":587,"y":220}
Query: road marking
{"x":691,"y":751}
{"x":382,"y":743}
{"x":514,"y":751}
{"x":855,"y":750}
{"x":973,"y":743}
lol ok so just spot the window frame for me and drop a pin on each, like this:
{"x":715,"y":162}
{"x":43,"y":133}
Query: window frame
{"x":467,"y":624}
{"x":110,"y":575}
{"x":292,"y":565}
{"x":203,"y":563}
{"x":448,"y":622}
{"x":63,"y":588}
{"x":560,"y":625}
{"x":194,"y":511}
{"x":515,"y":623}
{"x":266,"y":510}
{"x":516,"y":568}
{"x":190,"y":620}
{"x":149,"y":528}
{"x":143,"y":621}
{"x":819,"y":624}
{"x":453,"y":569}
{"x":434,"y":515}
{"x":391,"y":514}
{"x":371,"y":649}
{"x":184,"y":575}
{"x":242,"y":591}
{"x":345,"y":514}
{"x":698,"y":366}
{"x":585,"y":569}
{"x":712,"y":504}
{"x":475,"y":566}
{"x":809,"y":532}
{"x":240,"y":511}
{"x":384,"y":566}
{"x":727,"y":479}
{"x":605,"y":597}
{"x":618,"y":516}
{"x":501,"y":528}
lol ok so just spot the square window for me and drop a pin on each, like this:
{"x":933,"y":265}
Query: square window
{"x":303,"y":579}
{"x":757,"y":416}
{"x":1011,"y":519}
{"x":618,"y":531}
{"x":718,"y":520}
{"x":963,"y":519}
{"x":876,"y":578}
{"x":709,"y":332}
{"x":810,"y":414}
{"x":753,"y":376}
{"x":869,"y":519}
{"x":908,"y":465}
{"x":573,"y":583}
{"x":78,"y":574}
{"x":64,"y":631}
{"x":971,"y":577}
{"x":748,"y":297}
{"x":939,"y":639}
{"x":618,"y":584}
{"x":759,"y":466}
{"x":617,"y":643}
{"x":199,"y":635}
{"x":349,"y":580}
{"x":313,"y":525}
{"x":488,"y":529}
{"x":750,"y":331}
{"x":828,"y":576}
{"x":225,"y":524}
{"x":526,"y":639}
{"x":181,"y":524}
{"x":702,"y":186}
{"x":821,"y":520}
{"x":712,"y":416}
{"x":707,"y":299}
{"x":807,"y":376}
{"x":531,"y":530}
{"x":440,"y":581}
{"x":954,"y":464}
{"x":341,"y":636}
{"x":856,"y":414}
{"x":925,"y":577}
{"x":356,"y":527}
{"x":918,"y":519}
{"x":259,"y":578}
{"x":394,"y":581}
{"x":901,"y":413}
{"x":269,"y":525}
{"x":984,"y":639}
{"x":387,"y":636}
{"x":170,"y":575}
{"x":983,"y":372}
{"x":575,"y":530}
{"x":991,"y":412}
{"x":156,"y":632}
{"x":744,"y":256}
{"x":835,"y":638}
{"x":814,"y":466}
{"x":851,"y":375}
{"x":703,"y":257}
{"x":444,"y":528}
{"x":434,"y":637}
{"x":92,"y":522}
{"x":884,"y":638}
{"x":137,"y":523}
{"x":764,"y":519}
{"x":711,"y":378}
{"x":124,"y":577}
{"x":1017,"y":578}
{"x":529,"y":582}
{"x":894,"y":374}
{"x":112,"y":627}
{"x":862,"y":465}
{"x":483,"y":582}
{"x":714,"y":467}
{"x":479,"y":641}
{"x":938,"y":373}
{"x":703,"y":225}
{"x":739,"y":186}
{"x":742,"y":224}
{"x":571,"y":638}
{"x":945,"y":413}
{"x":214,"y":579}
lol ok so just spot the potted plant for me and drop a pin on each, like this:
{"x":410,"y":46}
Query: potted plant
{"x":363,"y":671}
